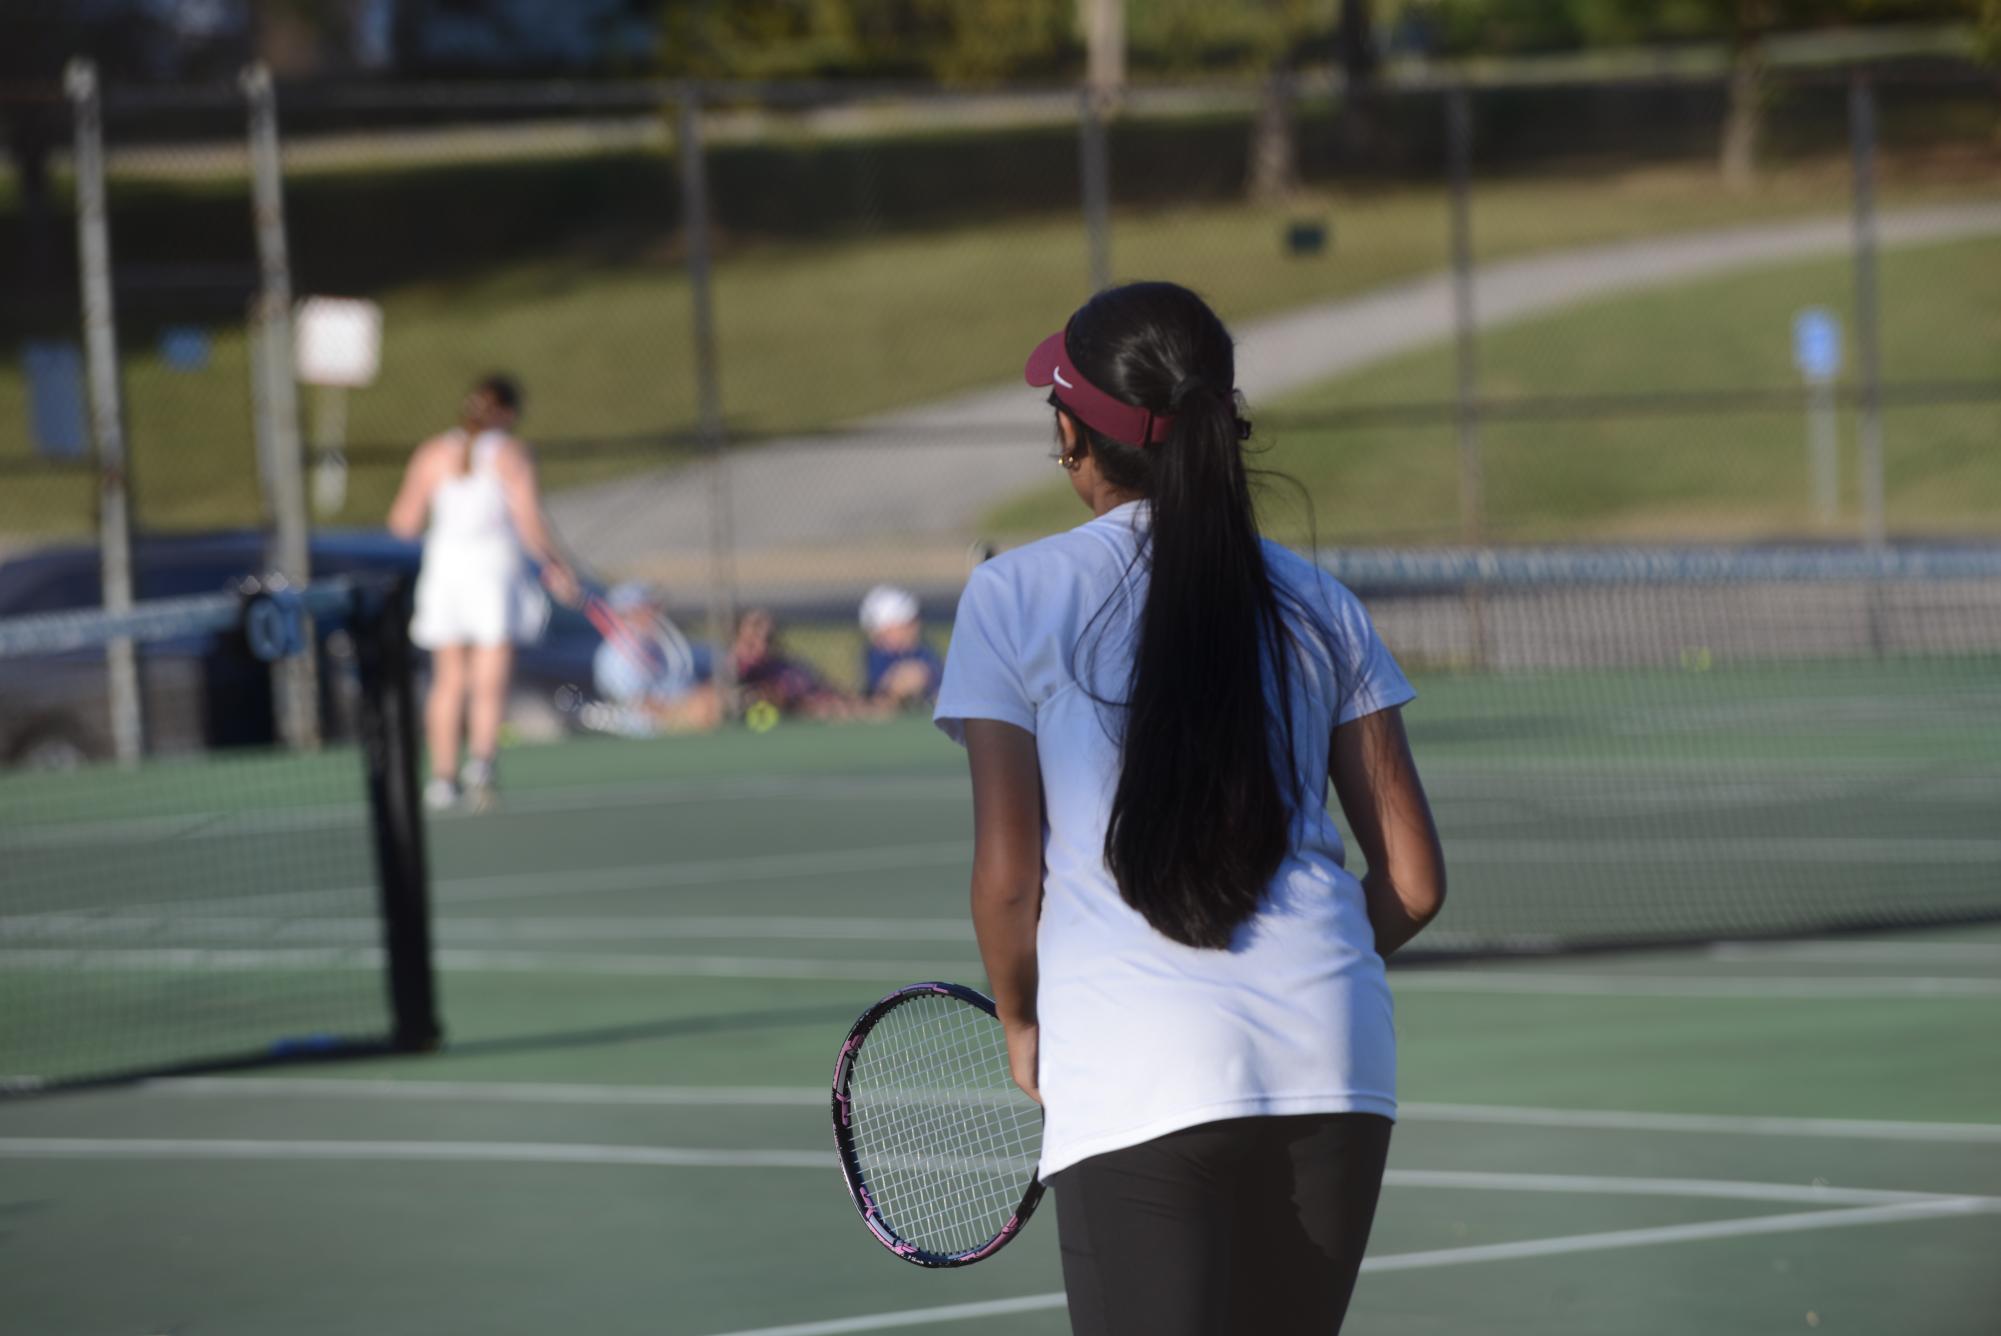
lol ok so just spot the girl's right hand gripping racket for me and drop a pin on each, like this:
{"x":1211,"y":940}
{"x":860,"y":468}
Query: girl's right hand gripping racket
{"x":938,"y":1144}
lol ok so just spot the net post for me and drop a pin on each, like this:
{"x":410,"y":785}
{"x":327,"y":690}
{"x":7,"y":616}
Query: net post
{"x":389,"y":745}
{"x":107,"y":410}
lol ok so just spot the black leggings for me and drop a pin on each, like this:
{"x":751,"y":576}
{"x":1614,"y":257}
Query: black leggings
{"x":1253,"y":1226}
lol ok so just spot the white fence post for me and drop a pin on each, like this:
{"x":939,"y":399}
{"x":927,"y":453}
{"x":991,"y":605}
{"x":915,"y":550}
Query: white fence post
{"x":107,"y":411}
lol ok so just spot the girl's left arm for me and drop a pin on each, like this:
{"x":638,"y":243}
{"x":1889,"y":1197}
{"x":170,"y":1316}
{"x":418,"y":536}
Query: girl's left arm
{"x":1007,"y":879}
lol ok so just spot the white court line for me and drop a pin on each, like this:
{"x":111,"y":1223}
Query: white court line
{"x":684,"y":1157}
{"x":759,"y":867}
{"x":526,"y":1092}
{"x":915,"y":1317}
{"x":214,"y":824}
{"x":484,"y":1152}
{"x":72,"y":929}
{"x":639,"y":877}
{"x":1551,"y":983}
{"x":946,"y":786}
{"x":450,"y":960}
{"x":1612,"y":1185}
{"x":1831,"y":849}
{"x":1843,"y":953}
{"x":708,"y":967}
{"x":1791,"y":1222}
{"x":480,"y":1092}
{"x":741,"y":928}
{"x":449,"y":928}
{"x":835,"y":969}
{"x":707,"y":871}
{"x":192,"y":958}
{"x":1796,"y":1222}
{"x":43,"y":836}
{"x":1862,"y":1129}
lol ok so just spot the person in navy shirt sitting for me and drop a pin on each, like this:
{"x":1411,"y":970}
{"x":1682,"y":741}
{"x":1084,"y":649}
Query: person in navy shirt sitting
{"x":898,"y":668}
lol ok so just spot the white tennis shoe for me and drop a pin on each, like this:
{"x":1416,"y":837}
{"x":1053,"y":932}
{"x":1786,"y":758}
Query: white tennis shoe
{"x":441,"y":795}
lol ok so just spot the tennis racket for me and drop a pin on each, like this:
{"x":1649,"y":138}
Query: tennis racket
{"x":659,"y":639}
{"x":937,"y":1143}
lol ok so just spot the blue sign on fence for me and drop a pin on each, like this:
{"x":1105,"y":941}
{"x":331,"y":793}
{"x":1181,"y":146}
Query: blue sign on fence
{"x":184,"y":348}
{"x":1817,"y":343}
{"x":56,"y":417}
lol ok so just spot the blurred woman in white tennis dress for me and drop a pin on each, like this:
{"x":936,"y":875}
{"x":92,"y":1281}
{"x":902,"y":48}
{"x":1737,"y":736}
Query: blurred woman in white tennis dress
{"x":472,"y":494}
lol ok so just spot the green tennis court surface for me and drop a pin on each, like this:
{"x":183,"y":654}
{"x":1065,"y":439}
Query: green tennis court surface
{"x":649,"y":953}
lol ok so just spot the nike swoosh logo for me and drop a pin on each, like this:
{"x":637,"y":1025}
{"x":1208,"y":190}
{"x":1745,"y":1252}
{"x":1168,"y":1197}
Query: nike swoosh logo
{"x":1060,"y":381}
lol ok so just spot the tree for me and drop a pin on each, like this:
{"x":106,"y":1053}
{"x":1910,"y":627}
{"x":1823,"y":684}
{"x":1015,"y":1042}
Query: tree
{"x":946,"y":41}
{"x":1268,"y":37}
{"x":1747,"y":25}
{"x":1503,"y":27}
{"x":299,"y":37}
{"x":1749,"y":21}
{"x":37,"y":39}
{"x":1355,"y":42}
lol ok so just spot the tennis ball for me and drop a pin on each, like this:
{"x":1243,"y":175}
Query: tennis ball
{"x":1698,"y":660}
{"x":761,"y":717}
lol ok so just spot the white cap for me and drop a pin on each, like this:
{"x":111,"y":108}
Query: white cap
{"x":886,"y":606}
{"x":630,"y":595}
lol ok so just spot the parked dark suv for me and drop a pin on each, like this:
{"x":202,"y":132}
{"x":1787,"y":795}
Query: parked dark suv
{"x":207,"y":691}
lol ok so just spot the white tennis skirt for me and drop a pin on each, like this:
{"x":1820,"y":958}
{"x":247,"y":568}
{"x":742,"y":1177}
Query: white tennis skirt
{"x":477,"y":594}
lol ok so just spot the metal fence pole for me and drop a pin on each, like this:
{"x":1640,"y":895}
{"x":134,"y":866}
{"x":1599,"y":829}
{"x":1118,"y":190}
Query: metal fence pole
{"x":1459,"y":158}
{"x":107,"y":411}
{"x":1104,"y":24}
{"x":1095,"y":163}
{"x":1466,"y":405}
{"x":1862,"y":141}
{"x":708,"y":389}
{"x":295,"y":680}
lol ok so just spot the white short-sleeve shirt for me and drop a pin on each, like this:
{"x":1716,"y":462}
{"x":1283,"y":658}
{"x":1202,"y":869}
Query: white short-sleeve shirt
{"x":1141,"y":1035}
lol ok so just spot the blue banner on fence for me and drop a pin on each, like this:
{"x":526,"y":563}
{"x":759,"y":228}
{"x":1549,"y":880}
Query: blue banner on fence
{"x":1817,"y":343}
{"x":56,"y":416}
{"x":184,"y":348}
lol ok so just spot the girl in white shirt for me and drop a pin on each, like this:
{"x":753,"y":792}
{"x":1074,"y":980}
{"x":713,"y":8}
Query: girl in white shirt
{"x":1190,"y":978}
{"x":472,"y":494}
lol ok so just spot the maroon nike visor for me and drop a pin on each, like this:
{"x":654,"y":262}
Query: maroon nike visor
{"x":1050,"y":366}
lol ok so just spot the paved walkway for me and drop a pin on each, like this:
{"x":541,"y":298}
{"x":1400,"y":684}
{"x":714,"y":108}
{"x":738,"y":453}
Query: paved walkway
{"x":927,"y":472}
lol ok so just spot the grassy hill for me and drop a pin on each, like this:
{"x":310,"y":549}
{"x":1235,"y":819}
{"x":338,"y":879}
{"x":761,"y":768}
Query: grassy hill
{"x":1722,"y":475}
{"x":816,"y":332}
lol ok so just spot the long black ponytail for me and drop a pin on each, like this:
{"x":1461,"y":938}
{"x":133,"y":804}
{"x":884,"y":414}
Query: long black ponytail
{"x":1201,"y":818}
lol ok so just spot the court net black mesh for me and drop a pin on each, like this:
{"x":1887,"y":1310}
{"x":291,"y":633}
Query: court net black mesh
{"x":149,"y":913}
{"x":1635,"y":747}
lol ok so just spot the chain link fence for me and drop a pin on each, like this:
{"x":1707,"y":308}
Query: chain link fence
{"x":47,"y":478}
{"x":769,"y":336}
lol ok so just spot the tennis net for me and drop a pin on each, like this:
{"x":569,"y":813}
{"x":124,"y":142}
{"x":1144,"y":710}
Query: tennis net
{"x":1649,"y":747}
{"x":224,"y":900}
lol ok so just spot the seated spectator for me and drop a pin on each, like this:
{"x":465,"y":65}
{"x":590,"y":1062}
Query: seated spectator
{"x":765,"y":674}
{"x":647,"y":667}
{"x":898,"y":669}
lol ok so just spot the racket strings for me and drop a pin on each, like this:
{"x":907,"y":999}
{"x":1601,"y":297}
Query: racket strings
{"x":944,"y":1155}
{"x":987,"y":1146}
{"x":965,"y":1205}
{"x":946,"y":1142}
